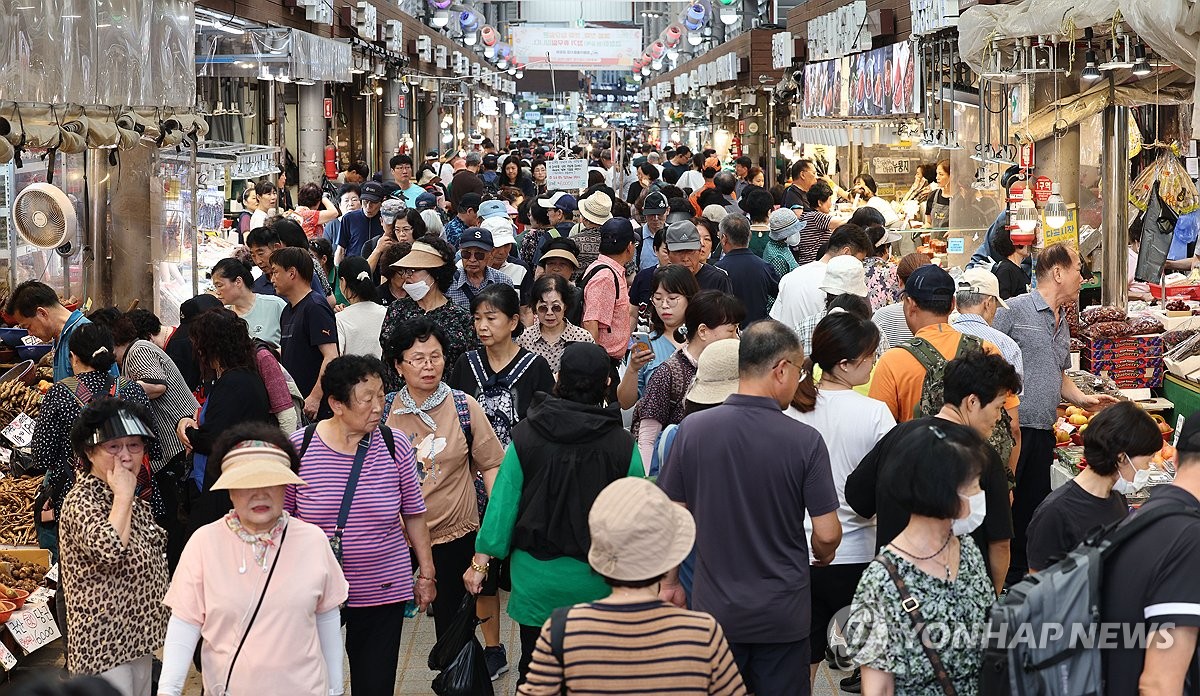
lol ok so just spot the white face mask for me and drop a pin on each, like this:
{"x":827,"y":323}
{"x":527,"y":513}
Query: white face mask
{"x":793,"y":240}
{"x":974,"y":518}
{"x":417,"y":290}
{"x":1140,"y":478}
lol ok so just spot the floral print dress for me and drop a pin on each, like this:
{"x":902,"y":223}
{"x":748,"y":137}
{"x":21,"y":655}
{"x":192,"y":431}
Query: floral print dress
{"x":880,"y":636}
{"x":883,"y":283}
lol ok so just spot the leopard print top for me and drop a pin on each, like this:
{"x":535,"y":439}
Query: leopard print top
{"x":114,"y":594}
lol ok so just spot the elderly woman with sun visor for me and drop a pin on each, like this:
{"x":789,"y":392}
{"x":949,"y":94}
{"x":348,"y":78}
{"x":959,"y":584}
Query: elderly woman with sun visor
{"x":257,"y":554}
{"x":112,"y":554}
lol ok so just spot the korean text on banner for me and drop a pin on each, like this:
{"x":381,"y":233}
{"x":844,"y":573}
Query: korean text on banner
{"x":566,"y":174}
{"x":571,"y":48}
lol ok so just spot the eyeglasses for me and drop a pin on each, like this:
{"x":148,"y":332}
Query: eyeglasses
{"x":424,"y":360}
{"x":477,"y":255}
{"x":408,"y":273}
{"x":799,"y":368}
{"x":114,"y":448}
{"x":666,"y":300}
{"x":543,"y":308}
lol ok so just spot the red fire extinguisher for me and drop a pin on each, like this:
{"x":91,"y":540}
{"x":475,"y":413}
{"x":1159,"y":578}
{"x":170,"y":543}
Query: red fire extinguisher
{"x":331,"y":171}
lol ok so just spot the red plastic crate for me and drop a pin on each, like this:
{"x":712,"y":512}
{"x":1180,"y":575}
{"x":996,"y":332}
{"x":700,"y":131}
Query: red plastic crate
{"x":1187,"y":292}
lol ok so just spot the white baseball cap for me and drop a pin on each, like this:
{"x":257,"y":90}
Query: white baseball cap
{"x":981,"y":282}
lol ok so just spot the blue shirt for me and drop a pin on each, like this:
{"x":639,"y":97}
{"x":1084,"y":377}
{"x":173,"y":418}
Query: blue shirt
{"x":410,"y":194}
{"x":984,"y":254}
{"x":453,"y":230}
{"x":62,"y":348}
{"x":755,"y":282}
{"x":357,"y":228}
{"x":647,"y":258}
{"x":262,"y":285}
{"x":663,"y":350}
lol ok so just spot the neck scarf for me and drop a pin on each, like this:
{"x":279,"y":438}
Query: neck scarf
{"x":407,"y":405}
{"x":260,"y":542}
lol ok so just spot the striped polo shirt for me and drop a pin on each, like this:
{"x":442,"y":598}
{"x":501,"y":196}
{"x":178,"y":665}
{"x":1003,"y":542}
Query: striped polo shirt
{"x":644,"y":648}
{"x":375,"y":555}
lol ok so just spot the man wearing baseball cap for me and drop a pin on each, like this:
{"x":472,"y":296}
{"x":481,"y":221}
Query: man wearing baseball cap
{"x":503,"y":259}
{"x":467,"y":216}
{"x":605,"y":292}
{"x":476,"y":247}
{"x":900,"y":373}
{"x":654,"y":213}
{"x":360,"y":225}
{"x":684,"y":249}
{"x":977,"y":301}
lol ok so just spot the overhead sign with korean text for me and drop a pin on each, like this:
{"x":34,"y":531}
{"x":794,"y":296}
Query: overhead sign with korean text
{"x":573,"y":48}
{"x":929,"y":16}
{"x":839,"y":33}
{"x":566,"y":174}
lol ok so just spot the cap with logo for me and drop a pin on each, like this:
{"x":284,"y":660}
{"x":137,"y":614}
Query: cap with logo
{"x":683,"y":236}
{"x":476,"y":237}
{"x":844,"y":275}
{"x":391,"y":209}
{"x":563,"y":201}
{"x":501,"y":229}
{"x":928,"y":283}
{"x":655,"y":204}
{"x":981,"y":282}
{"x":426,"y":201}
{"x":372,"y":191}
{"x":491,"y":209}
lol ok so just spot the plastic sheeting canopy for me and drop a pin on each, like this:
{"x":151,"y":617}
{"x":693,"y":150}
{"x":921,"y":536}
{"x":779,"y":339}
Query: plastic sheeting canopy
{"x":292,"y":53}
{"x":138,"y":53}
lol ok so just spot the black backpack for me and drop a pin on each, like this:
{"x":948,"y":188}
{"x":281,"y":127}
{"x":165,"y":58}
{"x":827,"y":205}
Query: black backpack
{"x":1022,"y":658}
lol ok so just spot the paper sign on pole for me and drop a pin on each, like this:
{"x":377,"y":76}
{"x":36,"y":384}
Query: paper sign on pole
{"x":1068,"y":233}
{"x":566,"y":174}
{"x":33,"y":627}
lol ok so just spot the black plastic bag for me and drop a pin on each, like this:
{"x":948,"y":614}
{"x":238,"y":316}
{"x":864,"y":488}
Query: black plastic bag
{"x":1158,"y":231}
{"x":461,"y":631}
{"x":467,"y":675}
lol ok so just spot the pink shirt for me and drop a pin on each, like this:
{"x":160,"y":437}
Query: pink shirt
{"x":607,"y":303}
{"x":282,"y":654}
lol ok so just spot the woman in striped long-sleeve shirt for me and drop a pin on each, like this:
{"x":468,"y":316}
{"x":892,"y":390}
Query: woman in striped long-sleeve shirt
{"x":632,"y":642}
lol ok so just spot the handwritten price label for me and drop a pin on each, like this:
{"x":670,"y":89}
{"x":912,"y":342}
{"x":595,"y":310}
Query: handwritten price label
{"x":40,"y":596}
{"x":33,"y":627}
{"x":20,"y":431}
{"x":7,"y":659}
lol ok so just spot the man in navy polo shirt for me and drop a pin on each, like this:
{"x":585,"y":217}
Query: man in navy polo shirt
{"x":754,"y":281}
{"x":360,"y":225}
{"x":749,"y":488}
{"x":309,"y":332}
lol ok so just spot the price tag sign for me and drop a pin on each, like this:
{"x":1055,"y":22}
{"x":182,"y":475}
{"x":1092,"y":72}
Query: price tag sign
{"x":41,"y":595}
{"x":20,"y":431}
{"x":7,"y":659}
{"x":52,"y":573}
{"x":5,"y":455}
{"x":566,"y":174}
{"x":33,"y":627}
{"x":956,"y":245}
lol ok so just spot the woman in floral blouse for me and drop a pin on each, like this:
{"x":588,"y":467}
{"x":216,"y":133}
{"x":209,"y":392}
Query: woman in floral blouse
{"x":113,"y":555}
{"x":428,"y":270}
{"x":883,"y":284}
{"x":935,"y":477}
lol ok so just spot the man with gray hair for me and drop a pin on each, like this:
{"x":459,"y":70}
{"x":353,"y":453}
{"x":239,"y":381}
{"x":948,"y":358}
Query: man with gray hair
{"x":466,"y":180}
{"x":750,"y":530}
{"x":977,"y":301}
{"x":754,"y":282}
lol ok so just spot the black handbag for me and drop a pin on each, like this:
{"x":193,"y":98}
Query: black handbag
{"x":467,"y":675}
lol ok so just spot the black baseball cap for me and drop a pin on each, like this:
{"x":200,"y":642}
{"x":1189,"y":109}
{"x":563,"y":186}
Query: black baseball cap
{"x":655,"y":204}
{"x":617,"y":232}
{"x":476,"y":237}
{"x":469,"y":201}
{"x":372,"y":191}
{"x":929,"y":282}
{"x":585,"y":363}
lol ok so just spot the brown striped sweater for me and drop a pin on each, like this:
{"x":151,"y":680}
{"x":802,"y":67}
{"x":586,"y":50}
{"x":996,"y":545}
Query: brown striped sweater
{"x":644,"y":648}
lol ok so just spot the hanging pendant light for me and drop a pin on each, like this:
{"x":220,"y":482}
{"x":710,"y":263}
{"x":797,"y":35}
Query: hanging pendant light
{"x":1025,"y":216}
{"x":1055,"y":210}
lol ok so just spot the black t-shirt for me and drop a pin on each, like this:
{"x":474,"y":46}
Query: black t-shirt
{"x":866,"y":497}
{"x":711,"y":277}
{"x":1012,"y":280}
{"x":304,"y":327}
{"x":537,"y":378}
{"x":1064,"y":518}
{"x":1151,"y":580}
{"x":793,"y":197}
{"x":642,"y":287}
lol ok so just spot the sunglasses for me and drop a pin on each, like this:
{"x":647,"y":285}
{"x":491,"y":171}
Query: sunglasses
{"x":476,"y":255}
{"x":555,"y":308}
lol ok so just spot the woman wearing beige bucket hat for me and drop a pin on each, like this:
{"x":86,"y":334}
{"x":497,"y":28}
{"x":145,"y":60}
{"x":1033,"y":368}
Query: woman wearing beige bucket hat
{"x":258,"y":562}
{"x":638,"y":535}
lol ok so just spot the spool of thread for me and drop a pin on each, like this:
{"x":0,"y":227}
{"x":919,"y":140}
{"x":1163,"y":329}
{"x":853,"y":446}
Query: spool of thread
{"x":487,"y":35}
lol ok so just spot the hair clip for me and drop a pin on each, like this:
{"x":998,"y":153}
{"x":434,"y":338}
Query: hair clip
{"x":937,"y":432}
{"x":99,"y":351}
{"x":363,"y":275}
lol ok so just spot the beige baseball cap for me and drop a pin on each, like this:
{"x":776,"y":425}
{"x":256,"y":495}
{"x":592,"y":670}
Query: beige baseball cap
{"x":981,"y":282}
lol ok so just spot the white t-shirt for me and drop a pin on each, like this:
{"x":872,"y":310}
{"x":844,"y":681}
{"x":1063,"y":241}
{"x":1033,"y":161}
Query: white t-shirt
{"x":258,"y":219}
{"x":800,"y":295}
{"x":691,"y":179}
{"x":850,"y":424}
{"x":358,"y":328}
{"x":263,"y":318}
{"x":515,"y":271}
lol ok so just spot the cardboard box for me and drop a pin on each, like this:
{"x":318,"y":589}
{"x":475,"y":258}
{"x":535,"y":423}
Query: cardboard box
{"x":1177,"y":321}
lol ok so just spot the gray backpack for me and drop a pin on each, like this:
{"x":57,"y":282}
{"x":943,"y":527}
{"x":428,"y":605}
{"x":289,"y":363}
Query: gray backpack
{"x":1021,"y":659}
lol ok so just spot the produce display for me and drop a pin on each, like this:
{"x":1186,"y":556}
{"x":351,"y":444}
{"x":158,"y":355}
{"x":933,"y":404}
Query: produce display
{"x":1091,"y":384}
{"x":21,"y":575}
{"x":16,"y":398}
{"x":16,"y":510}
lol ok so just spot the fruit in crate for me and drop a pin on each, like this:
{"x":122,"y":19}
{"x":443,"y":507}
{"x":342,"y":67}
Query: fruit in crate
{"x":1177,"y":306}
{"x":1061,"y":437}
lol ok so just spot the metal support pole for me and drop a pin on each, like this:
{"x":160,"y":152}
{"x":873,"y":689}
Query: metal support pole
{"x":389,"y":127}
{"x":1114,"y":288}
{"x":311,"y":137}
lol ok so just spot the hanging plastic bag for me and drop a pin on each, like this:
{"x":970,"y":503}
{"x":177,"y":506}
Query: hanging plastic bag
{"x":1158,"y":229}
{"x":458,"y":634}
{"x":1175,"y":187}
{"x":467,"y":675}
